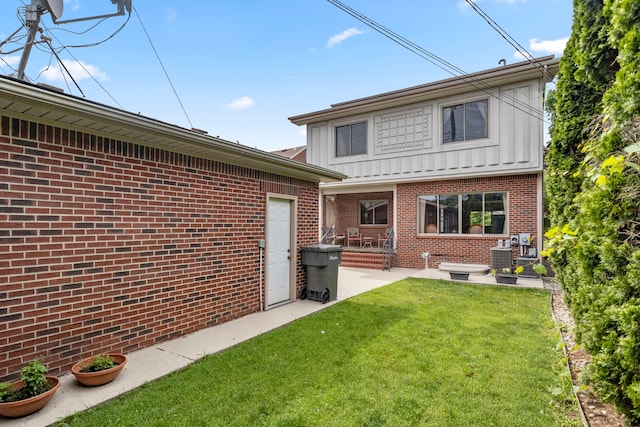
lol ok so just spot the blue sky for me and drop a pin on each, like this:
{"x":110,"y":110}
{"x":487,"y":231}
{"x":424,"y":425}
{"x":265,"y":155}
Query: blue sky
{"x":241,"y":67}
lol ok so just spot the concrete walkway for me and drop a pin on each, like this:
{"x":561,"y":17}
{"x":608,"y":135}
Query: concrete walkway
{"x":157,"y":361}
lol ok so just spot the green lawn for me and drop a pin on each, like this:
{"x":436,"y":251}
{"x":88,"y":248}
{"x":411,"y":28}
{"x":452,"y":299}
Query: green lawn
{"x":414,"y":353}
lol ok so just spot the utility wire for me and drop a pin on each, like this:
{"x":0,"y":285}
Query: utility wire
{"x":441,"y":63}
{"x":505,"y":35}
{"x":55,"y":53}
{"x":105,"y":40}
{"x":162,"y":65}
{"x":64,"y":66}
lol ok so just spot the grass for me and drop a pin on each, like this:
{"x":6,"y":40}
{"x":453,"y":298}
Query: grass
{"x":414,"y":353}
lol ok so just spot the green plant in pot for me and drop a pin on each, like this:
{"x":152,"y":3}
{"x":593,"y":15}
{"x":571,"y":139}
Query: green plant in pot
{"x":510,"y":276}
{"x":30,"y":394}
{"x":507,"y":275}
{"x":100,"y":363}
{"x":99,"y":369}
{"x":540,"y":269}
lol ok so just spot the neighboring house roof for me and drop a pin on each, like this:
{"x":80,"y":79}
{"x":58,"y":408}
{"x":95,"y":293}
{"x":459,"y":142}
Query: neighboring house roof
{"x":476,"y":81}
{"x":296,"y":153}
{"x":44,"y":105}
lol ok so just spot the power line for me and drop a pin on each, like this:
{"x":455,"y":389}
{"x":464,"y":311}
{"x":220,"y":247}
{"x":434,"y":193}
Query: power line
{"x":106,"y":39}
{"x":505,"y":35}
{"x":441,"y":63}
{"x":55,"y":53}
{"x":63,"y":66}
{"x":162,"y":65}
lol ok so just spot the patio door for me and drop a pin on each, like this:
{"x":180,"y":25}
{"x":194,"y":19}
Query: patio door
{"x":280,"y":255}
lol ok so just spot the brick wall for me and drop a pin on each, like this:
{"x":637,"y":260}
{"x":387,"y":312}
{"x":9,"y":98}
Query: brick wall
{"x":111,"y":246}
{"x":465,"y":248}
{"x":348,"y":211}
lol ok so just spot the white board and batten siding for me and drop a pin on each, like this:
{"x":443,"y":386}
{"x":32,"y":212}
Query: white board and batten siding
{"x":405,"y":142}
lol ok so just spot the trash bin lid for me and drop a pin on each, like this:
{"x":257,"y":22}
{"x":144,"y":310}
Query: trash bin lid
{"x":321,"y":247}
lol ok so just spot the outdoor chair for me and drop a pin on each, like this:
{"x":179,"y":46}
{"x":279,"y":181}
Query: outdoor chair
{"x":388,"y":234}
{"x":353,"y":235}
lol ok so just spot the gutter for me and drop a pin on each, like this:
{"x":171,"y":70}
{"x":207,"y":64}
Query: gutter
{"x":486,"y":80}
{"x":35,"y":103}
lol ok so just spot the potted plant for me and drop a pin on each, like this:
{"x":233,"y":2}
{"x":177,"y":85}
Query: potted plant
{"x":30,"y":394}
{"x":539,"y":268}
{"x":99,"y":369}
{"x":508,"y":276}
{"x":459,"y":275}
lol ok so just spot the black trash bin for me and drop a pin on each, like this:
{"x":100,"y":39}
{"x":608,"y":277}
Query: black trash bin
{"x":322,"y":271}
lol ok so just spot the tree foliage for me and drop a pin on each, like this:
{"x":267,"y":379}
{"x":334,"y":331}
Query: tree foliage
{"x":595,"y":235}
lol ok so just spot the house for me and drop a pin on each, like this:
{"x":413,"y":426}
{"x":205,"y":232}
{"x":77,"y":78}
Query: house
{"x":296,"y":153}
{"x":453,"y":166}
{"x":118,"y":231}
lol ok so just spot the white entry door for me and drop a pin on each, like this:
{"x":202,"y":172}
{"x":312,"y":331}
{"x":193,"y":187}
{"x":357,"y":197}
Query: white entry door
{"x":279,"y":254}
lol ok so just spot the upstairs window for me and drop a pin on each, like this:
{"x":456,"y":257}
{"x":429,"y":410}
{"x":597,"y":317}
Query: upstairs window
{"x":464,"y":122}
{"x":351,"y":139}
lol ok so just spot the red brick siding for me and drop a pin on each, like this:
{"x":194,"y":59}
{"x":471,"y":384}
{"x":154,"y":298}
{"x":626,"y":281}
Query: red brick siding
{"x":348,"y":213}
{"x":111,"y":246}
{"x":522,"y":218}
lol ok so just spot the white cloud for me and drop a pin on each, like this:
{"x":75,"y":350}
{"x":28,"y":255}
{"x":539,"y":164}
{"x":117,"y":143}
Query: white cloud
{"x":74,"y":4}
{"x":240,"y":103}
{"x":10,"y":60}
{"x":78,"y":69}
{"x":339,"y":38}
{"x":170,"y":15}
{"x":550,"y":46}
{"x":555,"y":47}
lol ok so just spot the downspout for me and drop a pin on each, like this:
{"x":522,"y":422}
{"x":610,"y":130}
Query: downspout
{"x":261,"y":245}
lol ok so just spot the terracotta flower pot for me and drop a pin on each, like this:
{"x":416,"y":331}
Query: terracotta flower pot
{"x":28,"y":406}
{"x":97,"y":378}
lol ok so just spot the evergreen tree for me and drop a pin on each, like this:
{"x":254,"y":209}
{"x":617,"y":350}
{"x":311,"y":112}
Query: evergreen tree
{"x":596,"y":239}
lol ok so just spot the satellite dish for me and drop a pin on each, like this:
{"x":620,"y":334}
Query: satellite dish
{"x":54,"y":7}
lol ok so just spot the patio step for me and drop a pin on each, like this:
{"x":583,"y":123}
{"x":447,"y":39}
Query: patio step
{"x":362,"y":260}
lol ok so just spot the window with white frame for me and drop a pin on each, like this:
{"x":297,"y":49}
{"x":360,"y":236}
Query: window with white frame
{"x":468,"y":213}
{"x":464,"y":122}
{"x":374,"y":212}
{"x":351,"y":139}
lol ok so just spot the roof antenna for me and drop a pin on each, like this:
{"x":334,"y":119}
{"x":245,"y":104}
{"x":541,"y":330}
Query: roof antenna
{"x":34,"y":12}
{"x":502,"y":62}
{"x":32,"y":16}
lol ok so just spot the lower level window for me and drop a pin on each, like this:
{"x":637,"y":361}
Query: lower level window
{"x":473,"y":213}
{"x":374,"y":212}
